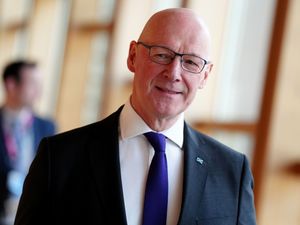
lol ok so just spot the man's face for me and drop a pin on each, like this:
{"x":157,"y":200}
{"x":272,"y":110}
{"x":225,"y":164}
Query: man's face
{"x":25,"y":92}
{"x":30,"y":86}
{"x":165,"y":91}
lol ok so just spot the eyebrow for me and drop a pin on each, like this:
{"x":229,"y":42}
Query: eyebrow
{"x":162,"y":46}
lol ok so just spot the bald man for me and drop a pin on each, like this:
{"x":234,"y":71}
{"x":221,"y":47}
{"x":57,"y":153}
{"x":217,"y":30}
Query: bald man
{"x":144,"y":165}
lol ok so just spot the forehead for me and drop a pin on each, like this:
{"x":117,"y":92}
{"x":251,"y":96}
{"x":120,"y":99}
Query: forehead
{"x":183,"y":33}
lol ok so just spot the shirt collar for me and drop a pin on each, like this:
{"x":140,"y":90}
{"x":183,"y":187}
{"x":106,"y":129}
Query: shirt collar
{"x":131,"y":125}
{"x":24,"y":117}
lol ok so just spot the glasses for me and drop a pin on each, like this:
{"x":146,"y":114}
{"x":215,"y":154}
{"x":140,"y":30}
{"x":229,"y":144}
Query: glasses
{"x":164,"y":56}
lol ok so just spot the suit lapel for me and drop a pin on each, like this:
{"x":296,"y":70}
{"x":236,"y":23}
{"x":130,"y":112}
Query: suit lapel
{"x":105,"y":166}
{"x":195,"y":174}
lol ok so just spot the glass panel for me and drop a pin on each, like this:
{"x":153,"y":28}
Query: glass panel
{"x":14,"y":11}
{"x":96,"y":70}
{"x":284,"y":147}
{"x":74,"y":79}
{"x":13,"y":45}
{"x":88,"y":7}
{"x":239,"y":141}
{"x":105,"y":10}
{"x":21,"y":44}
{"x":242,"y":71}
{"x":94,"y":11}
{"x":50,"y":17}
{"x":160,"y":5}
{"x":280,"y":197}
{"x":239,"y":51}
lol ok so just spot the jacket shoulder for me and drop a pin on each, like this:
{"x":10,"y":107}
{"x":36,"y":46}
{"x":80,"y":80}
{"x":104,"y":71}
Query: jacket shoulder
{"x":89,"y":131}
{"x":44,"y":120}
{"x":214,"y":149}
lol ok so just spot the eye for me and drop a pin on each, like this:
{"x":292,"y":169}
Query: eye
{"x":190,"y":62}
{"x":162,"y":56}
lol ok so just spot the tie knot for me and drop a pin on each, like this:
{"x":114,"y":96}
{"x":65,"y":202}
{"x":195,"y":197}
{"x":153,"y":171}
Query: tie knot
{"x":157,"y":140}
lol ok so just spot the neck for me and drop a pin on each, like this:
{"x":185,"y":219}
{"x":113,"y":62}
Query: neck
{"x":159,"y":124}
{"x":156,"y":123}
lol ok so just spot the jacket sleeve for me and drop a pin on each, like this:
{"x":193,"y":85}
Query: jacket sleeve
{"x":34,"y":202}
{"x":246,"y":215}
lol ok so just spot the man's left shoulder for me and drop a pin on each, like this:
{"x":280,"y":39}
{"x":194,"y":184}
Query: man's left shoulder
{"x":214,"y":149}
{"x":44,"y":124}
{"x":43,"y":120}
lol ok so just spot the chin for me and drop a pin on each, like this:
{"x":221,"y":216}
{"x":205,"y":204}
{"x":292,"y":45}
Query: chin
{"x":167,"y":112}
{"x":166,"y":109}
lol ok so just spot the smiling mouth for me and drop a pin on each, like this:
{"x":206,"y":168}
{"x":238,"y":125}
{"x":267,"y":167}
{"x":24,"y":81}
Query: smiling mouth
{"x":168,"y":91}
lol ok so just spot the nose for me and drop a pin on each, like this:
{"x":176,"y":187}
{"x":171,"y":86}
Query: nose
{"x":173,"y":71}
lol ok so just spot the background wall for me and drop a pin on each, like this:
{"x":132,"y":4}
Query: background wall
{"x":82,"y":45}
{"x":280,"y":195}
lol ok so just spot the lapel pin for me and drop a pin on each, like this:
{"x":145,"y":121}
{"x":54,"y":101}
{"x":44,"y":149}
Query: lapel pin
{"x":199,"y":160}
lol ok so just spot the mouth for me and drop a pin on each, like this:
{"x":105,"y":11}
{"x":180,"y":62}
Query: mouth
{"x":168,"y":91}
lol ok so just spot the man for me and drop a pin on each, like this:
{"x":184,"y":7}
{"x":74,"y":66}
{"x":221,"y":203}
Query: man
{"x":20,"y":129}
{"x":109,"y":173}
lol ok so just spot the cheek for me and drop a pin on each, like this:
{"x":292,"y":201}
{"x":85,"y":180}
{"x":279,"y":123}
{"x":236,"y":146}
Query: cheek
{"x":145,"y":78}
{"x":192,"y":86}
{"x":29,"y":92}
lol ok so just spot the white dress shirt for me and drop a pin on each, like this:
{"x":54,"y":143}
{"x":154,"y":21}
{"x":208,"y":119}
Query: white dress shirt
{"x":136,"y":154}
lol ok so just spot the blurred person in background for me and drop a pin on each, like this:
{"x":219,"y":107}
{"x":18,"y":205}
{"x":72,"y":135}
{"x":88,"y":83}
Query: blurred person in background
{"x":144,"y":165}
{"x":20,"y":130}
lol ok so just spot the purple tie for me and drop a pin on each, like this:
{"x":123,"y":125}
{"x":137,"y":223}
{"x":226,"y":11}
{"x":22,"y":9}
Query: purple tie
{"x":156,"y":194}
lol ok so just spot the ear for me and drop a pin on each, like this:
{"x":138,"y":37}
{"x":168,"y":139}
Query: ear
{"x":131,"y":56}
{"x":206,"y":73}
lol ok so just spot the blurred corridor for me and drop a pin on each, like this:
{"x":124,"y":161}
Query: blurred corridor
{"x":251,"y":102}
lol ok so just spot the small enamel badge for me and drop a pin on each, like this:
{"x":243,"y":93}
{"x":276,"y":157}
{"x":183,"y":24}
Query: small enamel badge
{"x":199,"y":160}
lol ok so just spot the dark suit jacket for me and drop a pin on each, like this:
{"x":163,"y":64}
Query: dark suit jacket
{"x":41,"y":128}
{"x":75,"y":179}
